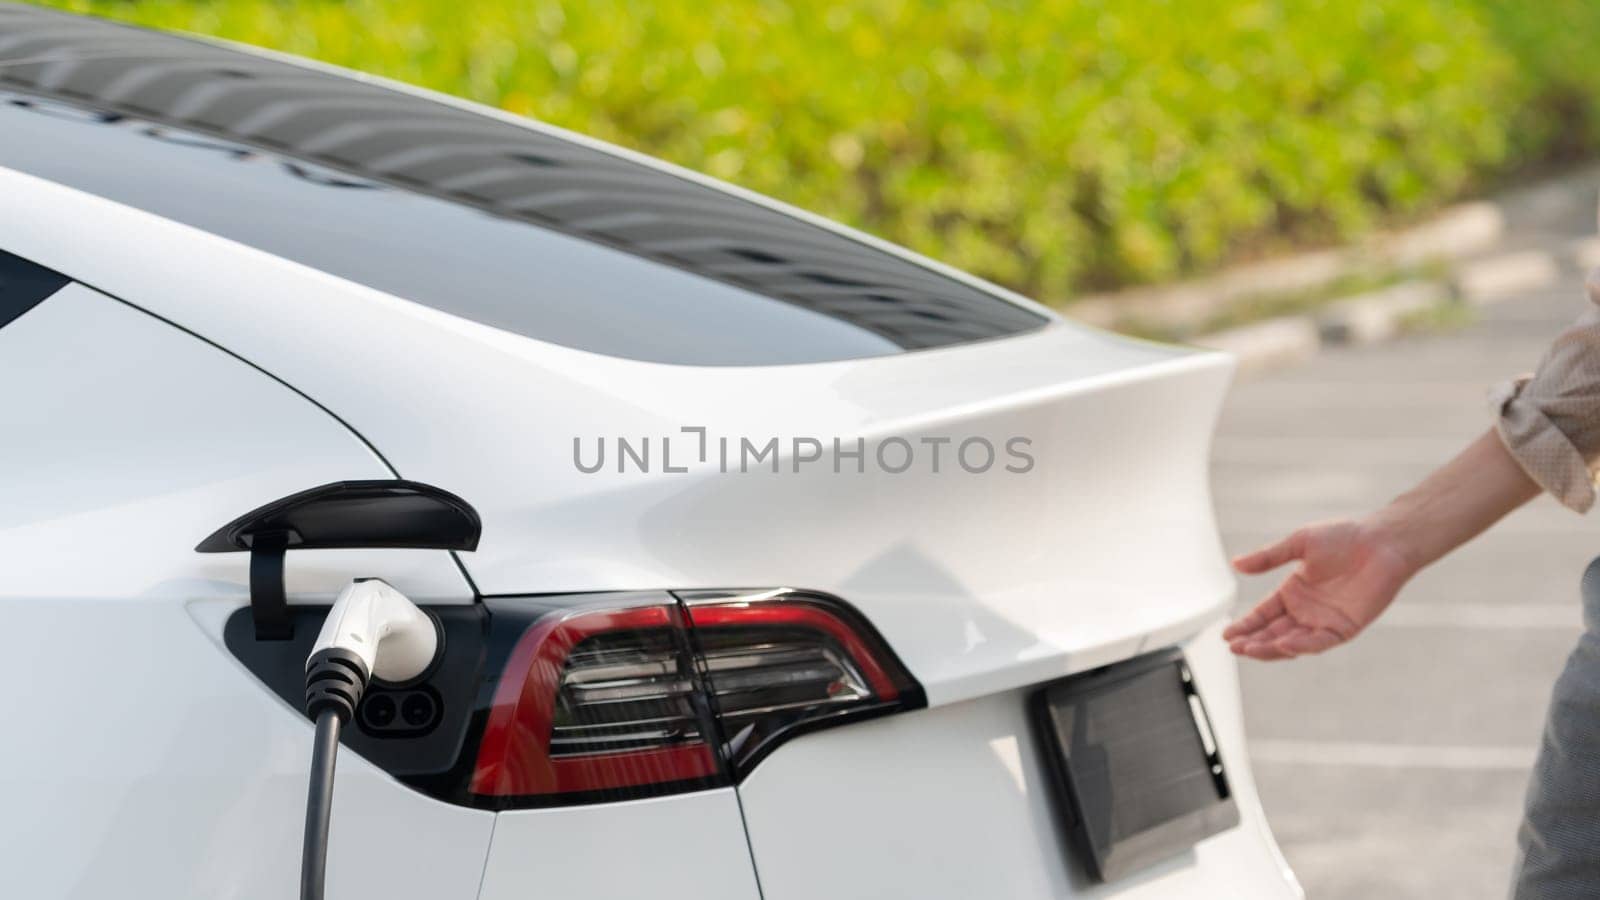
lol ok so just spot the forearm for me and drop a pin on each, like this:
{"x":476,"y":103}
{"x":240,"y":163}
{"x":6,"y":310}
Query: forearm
{"x":1546,"y":438}
{"x":1456,"y":503}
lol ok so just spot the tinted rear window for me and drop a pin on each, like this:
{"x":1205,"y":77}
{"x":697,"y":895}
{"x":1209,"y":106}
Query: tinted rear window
{"x":482,"y":218}
{"x":23,"y":286}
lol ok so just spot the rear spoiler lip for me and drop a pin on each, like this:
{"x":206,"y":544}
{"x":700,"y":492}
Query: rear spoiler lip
{"x":1072,"y":658}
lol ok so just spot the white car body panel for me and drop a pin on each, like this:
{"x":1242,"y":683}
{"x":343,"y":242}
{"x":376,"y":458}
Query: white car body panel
{"x":92,"y":390}
{"x":108,"y":786}
{"x":138,"y":798}
{"x":181,"y":794}
{"x":685,"y":845}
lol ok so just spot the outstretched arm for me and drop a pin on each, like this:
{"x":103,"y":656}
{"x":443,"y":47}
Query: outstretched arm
{"x":1350,"y":571}
{"x":1546,"y":437}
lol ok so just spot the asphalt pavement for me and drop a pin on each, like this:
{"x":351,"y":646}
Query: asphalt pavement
{"x":1394,"y":767}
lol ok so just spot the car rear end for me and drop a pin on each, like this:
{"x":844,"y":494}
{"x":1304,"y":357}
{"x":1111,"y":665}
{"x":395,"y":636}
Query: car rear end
{"x":1078,"y":583}
{"x":1081,"y":582}
{"x":968,"y":647}
{"x":1097,"y":569}
{"x":934,"y":624}
{"x":808,"y":568}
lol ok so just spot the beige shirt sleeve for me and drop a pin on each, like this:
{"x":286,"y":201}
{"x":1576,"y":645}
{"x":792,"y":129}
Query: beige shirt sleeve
{"x":1550,"y":421}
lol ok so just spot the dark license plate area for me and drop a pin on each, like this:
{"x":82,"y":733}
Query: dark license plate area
{"x":1137,"y":772}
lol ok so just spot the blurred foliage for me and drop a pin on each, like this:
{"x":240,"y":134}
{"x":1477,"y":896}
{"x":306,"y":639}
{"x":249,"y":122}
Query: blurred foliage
{"x":1055,"y":147}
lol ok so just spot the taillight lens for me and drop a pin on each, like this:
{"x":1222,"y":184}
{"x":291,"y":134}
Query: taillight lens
{"x":597,"y":702}
{"x":778,"y":663}
{"x":639,"y":695}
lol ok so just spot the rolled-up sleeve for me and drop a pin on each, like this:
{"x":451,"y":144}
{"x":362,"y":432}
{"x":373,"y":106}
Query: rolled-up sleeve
{"x":1550,"y":420}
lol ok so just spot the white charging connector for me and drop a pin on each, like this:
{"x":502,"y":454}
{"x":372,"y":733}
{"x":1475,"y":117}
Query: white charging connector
{"x":394,"y":639}
{"x":372,"y":631}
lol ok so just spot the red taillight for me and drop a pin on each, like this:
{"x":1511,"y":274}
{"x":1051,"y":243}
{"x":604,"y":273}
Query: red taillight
{"x":629,"y":697}
{"x":595,"y":701}
{"x":801,"y":618}
{"x":780,"y":662}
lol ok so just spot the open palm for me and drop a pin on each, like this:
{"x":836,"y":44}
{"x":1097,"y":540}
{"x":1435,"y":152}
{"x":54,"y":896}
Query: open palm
{"x":1347,"y":576}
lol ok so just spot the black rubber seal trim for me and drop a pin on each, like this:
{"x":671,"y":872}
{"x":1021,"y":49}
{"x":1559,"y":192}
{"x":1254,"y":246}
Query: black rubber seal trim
{"x":24,"y":285}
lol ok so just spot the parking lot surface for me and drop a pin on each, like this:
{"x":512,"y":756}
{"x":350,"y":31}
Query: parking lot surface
{"x":1394,"y":767}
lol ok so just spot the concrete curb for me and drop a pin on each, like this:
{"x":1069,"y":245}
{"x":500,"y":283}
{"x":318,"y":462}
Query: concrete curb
{"x":1269,"y":344}
{"x":1459,"y":232}
{"x":1381,"y":315}
{"x":1361,"y":319}
{"x":1486,"y":250}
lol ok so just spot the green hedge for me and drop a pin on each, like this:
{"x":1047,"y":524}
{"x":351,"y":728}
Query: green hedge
{"x":1056,"y":147}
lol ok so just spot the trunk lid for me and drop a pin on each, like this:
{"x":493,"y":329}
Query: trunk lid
{"x":1019,"y":510}
{"x":1104,"y":547}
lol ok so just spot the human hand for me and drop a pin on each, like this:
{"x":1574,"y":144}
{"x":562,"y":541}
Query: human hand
{"x":1349,"y":573}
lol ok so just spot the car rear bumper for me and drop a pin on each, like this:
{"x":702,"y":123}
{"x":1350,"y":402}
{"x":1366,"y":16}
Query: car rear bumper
{"x":954,"y":802}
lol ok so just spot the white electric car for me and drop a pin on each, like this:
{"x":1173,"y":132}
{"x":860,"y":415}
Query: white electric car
{"x":766,"y":560}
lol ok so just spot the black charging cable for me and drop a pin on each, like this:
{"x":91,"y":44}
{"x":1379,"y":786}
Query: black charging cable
{"x":335,"y":680}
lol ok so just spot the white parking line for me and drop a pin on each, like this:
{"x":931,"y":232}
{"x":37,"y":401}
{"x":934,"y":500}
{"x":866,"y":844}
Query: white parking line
{"x":1391,"y":756}
{"x":1489,"y":616}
